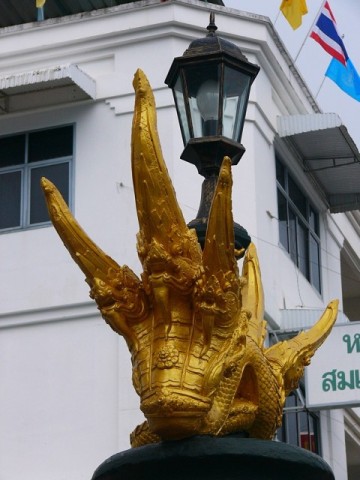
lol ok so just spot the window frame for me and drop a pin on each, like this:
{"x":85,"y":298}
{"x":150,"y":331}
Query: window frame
{"x":295,"y":414}
{"x":299,"y":223}
{"x":25,"y":172}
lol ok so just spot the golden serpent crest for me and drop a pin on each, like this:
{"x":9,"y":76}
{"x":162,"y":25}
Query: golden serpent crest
{"x":193,"y":324}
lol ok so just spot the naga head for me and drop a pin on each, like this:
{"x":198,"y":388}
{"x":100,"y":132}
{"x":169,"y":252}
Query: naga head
{"x":193,"y":324}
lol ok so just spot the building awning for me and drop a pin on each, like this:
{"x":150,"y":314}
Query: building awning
{"x":329,"y":154}
{"x":295,"y":319}
{"x":43,"y":87}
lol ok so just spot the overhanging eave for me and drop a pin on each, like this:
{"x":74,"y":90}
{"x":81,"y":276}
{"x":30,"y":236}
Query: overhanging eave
{"x":44,"y":87}
{"x":328,"y":153}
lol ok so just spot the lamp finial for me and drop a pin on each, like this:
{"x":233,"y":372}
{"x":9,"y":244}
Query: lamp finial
{"x":212,"y":27}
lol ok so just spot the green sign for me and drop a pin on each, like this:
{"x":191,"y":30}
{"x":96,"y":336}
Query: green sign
{"x":333,"y":377}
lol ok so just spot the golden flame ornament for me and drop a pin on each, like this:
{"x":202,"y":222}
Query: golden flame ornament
{"x":193,"y":325}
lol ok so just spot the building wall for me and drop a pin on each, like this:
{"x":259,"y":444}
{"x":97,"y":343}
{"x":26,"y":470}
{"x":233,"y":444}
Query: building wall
{"x":67,"y":402}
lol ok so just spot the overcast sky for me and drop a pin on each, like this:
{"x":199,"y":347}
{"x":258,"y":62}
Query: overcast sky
{"x":313,"y":61}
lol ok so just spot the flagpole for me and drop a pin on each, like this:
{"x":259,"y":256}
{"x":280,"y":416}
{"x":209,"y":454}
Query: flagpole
{"x":276,"y":19}
{"x":310,"y":29}
{"x":321,"y":85}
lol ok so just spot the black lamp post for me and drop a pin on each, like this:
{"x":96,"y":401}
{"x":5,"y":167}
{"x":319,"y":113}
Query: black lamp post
{"x":211,"y":85}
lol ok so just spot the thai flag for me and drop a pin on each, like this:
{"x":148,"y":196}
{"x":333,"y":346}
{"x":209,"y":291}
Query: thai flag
{"x":326,"y":34}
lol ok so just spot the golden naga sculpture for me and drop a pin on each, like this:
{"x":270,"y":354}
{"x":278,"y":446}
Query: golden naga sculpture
{"x":193,"y":325}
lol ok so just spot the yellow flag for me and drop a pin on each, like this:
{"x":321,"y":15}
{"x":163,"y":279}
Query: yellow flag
{"x":293,"y":10}
{"x":40,"y":3}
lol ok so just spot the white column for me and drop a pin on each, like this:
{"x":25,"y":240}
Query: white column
{"x":333,"y":442}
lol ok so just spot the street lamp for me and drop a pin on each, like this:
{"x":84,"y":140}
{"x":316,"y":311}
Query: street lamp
{"x":211,"y":85}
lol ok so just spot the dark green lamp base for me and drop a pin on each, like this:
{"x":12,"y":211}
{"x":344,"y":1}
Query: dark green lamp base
{"x":241,"y":236}
{"x":209,"y":458}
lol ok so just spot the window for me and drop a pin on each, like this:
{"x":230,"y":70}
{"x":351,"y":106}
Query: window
{"x":298,"y":226}
{"x":300,"y":427}
{"x":24,"y":159}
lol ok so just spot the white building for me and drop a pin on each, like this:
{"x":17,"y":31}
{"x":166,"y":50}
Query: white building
{"x":66,"y":102}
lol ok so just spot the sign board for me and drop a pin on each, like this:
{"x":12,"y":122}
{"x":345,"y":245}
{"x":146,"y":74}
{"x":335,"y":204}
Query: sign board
{"x":333,"y":377}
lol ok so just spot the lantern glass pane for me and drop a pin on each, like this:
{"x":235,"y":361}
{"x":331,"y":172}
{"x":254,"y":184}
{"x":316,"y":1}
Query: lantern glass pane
{"x":236,"y":93}
{"x":203,"y":87}
{"x":181,"y":110}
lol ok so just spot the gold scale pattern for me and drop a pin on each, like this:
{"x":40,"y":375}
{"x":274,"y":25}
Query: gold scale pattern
{"x":194,"y":326}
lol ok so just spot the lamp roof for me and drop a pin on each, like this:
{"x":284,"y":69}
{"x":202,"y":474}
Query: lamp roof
{"x":210,"y":48}
{"x":212,"y":44}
